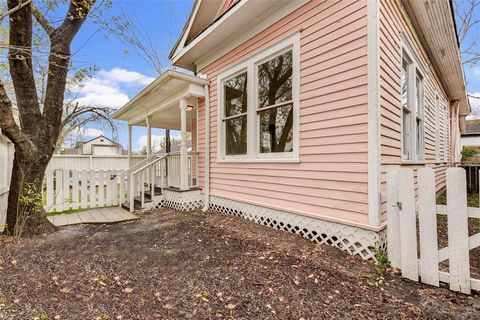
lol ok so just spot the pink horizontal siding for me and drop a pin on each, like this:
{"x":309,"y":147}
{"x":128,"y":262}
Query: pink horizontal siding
{"x":394,"y":21}
{"x":330,"y":182}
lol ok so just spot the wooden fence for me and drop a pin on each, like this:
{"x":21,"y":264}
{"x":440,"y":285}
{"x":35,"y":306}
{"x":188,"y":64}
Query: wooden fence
{"x":87,"y":162}
{"x":420,"y":259}
{"x":71,"y":189}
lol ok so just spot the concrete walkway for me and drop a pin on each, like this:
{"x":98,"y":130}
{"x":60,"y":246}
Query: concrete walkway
{"x":100,"y":215}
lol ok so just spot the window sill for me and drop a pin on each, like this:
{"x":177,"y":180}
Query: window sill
{"x":272,"y":160}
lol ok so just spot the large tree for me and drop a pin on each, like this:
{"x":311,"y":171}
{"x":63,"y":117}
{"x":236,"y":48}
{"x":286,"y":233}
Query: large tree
{"x":40,"y":123}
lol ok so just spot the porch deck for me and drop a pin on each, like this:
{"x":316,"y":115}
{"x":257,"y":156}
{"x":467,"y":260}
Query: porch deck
{"x":100,"y":215}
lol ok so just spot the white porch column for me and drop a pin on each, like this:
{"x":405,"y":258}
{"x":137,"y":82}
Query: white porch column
{"x":149,"y":137}
{"x":129,"y":145}
{"x":183,"y":149}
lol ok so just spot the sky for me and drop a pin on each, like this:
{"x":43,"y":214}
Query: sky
{"x":122,"y":75}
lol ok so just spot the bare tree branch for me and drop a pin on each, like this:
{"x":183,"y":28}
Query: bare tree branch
{"x":49,"y":29}
{"x":14,"y":9}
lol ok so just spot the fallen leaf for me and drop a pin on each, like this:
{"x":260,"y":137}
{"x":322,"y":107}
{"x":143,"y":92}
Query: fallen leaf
{"x":128,"y":290}
{"x":230,"y":306}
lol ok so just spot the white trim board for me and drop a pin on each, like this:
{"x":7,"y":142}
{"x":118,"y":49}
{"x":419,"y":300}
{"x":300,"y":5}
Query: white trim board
{"x":374,"y":146}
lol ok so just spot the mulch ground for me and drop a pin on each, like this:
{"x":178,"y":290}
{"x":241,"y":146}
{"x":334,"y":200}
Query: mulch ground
{"x":171,"y":265}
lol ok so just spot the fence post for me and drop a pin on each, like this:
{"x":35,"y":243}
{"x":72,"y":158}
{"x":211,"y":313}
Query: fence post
{"x":75,"y":189}
{"x":427,"y":215}
{"x":458,"y":243}
{"x":408,"y":224}
{"x":393,"y":218}
{"x":84,"y":193}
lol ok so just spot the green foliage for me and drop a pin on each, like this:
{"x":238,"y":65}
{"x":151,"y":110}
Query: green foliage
{"x":468,"y":152}
{"x":30,"y":204}
{"x":381,"y":258}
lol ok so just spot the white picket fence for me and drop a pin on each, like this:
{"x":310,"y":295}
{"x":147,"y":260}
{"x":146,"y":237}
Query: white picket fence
{"x":72,"y":189}
{"x":419,"y":259}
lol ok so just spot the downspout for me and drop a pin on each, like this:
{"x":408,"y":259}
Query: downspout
{"x":206,"y":202}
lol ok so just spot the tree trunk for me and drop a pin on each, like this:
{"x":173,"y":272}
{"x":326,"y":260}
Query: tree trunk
{"x":24,"y":216}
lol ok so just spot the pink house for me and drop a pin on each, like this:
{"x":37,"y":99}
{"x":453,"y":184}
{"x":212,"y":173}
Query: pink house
{"x":297,"y":109}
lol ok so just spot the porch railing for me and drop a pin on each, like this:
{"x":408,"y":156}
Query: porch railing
{"x":146,"y":178}
{"x":174,"y":172}
{"x":156,"y":171}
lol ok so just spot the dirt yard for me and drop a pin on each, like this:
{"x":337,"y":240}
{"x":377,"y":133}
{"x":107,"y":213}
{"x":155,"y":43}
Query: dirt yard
{"x":171,"y":265}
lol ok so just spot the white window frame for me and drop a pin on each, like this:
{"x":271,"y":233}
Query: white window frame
{"x":253,"y":126}
{"x":414,"y":68}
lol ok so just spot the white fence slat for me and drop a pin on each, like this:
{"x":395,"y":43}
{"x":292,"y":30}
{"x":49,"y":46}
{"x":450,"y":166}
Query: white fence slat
{"x":93,"y":189}
{"x":393,"y":218}
{"x":59,"y":190}
{"x":427,"y":216}
{"x":84,"y":188}
{"x":101,"y":188}
{"x":408,"y":224}
{"x":116,"y":187}
{"x":108,"y":184}
{"x":66,"y":190}
{"x":75,"y":189}
{"x":49,"y":185}
{"x":121,"y":181}
{"x":458,"y":247}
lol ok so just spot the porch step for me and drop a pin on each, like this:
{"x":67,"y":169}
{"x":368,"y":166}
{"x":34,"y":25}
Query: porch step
{"x":137,"y":201}
{"x":158,"y":192}
{"x":136,"y":206}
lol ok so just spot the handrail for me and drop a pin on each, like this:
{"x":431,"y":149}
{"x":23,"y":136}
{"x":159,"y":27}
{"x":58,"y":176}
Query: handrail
{"x":137,"y":164}
{"x":149,"y":164}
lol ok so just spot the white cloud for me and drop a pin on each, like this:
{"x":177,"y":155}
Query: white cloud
{"x":91,"y":132}
{"x":475,"y":105}
{"x":156,"y":142}
{"x":126,"y":76}
{"x":106,"y":88}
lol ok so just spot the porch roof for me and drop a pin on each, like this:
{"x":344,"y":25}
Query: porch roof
{"x":159,"y":100}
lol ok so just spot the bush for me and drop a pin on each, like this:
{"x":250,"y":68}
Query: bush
{"x":468,"y":152}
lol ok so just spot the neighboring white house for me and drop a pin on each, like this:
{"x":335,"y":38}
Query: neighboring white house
{"x":99,"y":146}
{"x":471,"y":137}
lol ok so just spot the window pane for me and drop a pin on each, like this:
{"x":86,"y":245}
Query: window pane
{"x":235,"y":92}
{"x":276,"y":129}
{"x":406,"y":133}
{"x":418,"y":95}
{"x":236,"y":135}
{"x":275,"y":80}
{"x":404,"y":83}
{"x":418,"y":143}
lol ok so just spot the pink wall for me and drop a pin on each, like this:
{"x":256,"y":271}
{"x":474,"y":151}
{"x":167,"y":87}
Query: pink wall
{"x":393,"y":21}
{"x":330,"y":182}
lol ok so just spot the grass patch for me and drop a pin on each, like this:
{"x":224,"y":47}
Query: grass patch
{"x":472,"y":199}
{"x":49,"y":214}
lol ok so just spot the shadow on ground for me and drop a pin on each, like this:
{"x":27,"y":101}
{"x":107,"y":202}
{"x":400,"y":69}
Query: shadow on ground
{"x":171,"y":265}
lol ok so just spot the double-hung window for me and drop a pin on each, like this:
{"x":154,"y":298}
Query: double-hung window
{"x":258,"y":106}
{"x":412,"y":101}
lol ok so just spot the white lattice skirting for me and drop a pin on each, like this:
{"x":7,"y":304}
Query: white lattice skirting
{"x":355,"y":241}
{"x":180,"y":200}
